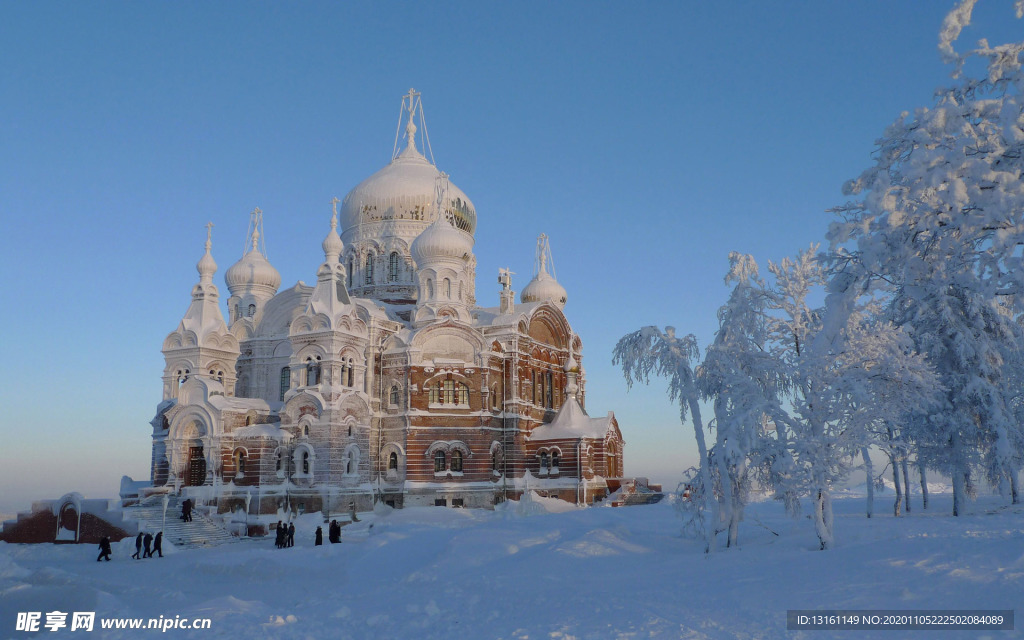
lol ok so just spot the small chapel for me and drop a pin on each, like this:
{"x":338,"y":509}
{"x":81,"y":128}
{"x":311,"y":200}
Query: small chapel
{"x":385,"y":381}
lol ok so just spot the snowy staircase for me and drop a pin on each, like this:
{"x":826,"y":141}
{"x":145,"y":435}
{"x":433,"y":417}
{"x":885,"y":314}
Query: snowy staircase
{"x":201,"y":532}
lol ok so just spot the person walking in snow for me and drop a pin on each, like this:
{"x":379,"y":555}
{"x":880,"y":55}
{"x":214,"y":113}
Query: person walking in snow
{"x":104,"y":549}
{"x":334,"y":532}
{"x":279,"y":538}
{"x":291,"y":535}
{"x":146,"y":543}
{"x":138,"y":545}
{"x":186,"y":509}
{"x":158,"y":543}
{"x":319,"y":537}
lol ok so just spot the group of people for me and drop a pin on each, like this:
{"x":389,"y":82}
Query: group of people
{"x":145,"y":540}
{"x":146,"y":544}
{"x":285,"y":535}
{"x":334,"y":532}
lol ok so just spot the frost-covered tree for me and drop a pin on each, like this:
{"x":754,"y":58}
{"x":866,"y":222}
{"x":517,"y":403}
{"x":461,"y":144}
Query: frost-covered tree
{"x":741,"y":380}
{"x":938,"y":223}
{"x":844,"y":381}
{"x":663,"y":353}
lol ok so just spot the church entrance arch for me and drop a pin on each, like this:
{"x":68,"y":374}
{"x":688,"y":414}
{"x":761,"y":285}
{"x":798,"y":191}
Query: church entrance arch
{"x":196,"y":472}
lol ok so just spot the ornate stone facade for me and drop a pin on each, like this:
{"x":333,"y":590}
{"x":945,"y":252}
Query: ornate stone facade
{"x":383,"y":382}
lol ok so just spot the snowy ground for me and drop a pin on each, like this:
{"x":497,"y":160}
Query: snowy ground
{"x":593,"y":573}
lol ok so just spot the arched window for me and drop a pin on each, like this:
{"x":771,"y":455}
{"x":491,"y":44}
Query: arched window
{"x":305,"y":462}
{"x":369,"y":268}
{"x":430,"y":288}
{"x":494,"y":397}
{"x":556,"y":458}
{"x":352,"y":461}
{"x":351,"y":373}
{"x":439,"y":462}
{"x":305,"y":430}
{"x":239,"y":463}
{"x":394,"y":395}
{"x":447,"y":289}
{"x":252,"y":310}
{"x":351,"y":267}
{"x":456,"y":461}
{"x":286,"y":381}
{"x":463,"y":393}
{"x":495,"y":462}
{"x":543,"y":461}
{"x":394,"y":260}
{"x":393,"y":462}
{"x":312,"y":371}
{"x":279,"y":463}
{"x":548,"y":387}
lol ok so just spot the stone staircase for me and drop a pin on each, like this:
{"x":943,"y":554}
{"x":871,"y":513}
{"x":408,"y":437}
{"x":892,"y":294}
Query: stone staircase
{"x":201,"y":532}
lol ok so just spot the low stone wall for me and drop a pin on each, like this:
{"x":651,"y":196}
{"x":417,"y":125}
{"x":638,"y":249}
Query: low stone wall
{"x":59,"y":521}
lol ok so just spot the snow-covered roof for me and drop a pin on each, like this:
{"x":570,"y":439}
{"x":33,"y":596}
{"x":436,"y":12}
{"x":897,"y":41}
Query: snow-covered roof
{"x":262,"y":431}
{"x":492,"y":316}
{"x":572,"y":422}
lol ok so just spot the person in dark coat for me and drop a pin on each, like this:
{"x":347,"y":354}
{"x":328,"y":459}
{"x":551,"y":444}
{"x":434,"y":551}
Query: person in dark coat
{"x":146,"y":544}
{"x":104,"y":549}
{"x":138,"y":545}
{"x":291,"y":535}
{"x":158,"y":543}
{"x":334,"y":532}
{"x":279,"y":539}
{"x":319,"y":536}
{"x":187,"y":509}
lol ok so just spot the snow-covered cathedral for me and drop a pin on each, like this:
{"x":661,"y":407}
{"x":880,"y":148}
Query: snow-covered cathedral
{"x":384,"y":381}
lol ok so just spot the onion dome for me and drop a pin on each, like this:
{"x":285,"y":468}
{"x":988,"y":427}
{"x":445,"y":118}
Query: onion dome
{"x":332,"y":244}
{"x":206,"y":265}
{"x":571,"y":365}
{"x":441,"y":241}
{"x":544,"y":286}
{"x":404,"y":190}
{"x":252,"y":271}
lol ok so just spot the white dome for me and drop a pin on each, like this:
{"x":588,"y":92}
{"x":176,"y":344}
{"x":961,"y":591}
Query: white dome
{"x":544,"y":287}
{"x":441,"y":241}
{"x":252,"y":270}
{"x":404,"y":190}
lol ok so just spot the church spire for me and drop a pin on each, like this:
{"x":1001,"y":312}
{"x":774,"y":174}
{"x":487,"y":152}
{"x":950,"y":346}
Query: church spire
{"x":332,"y":243}
{"x":206,"y":265}
{"x":412,"y":106}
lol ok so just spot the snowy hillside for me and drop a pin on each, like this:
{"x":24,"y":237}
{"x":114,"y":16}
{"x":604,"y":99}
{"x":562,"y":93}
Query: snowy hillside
{"x":525,"y":573}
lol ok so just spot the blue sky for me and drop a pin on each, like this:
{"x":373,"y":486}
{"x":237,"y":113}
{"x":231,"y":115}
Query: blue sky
{"x":647,"y":139}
